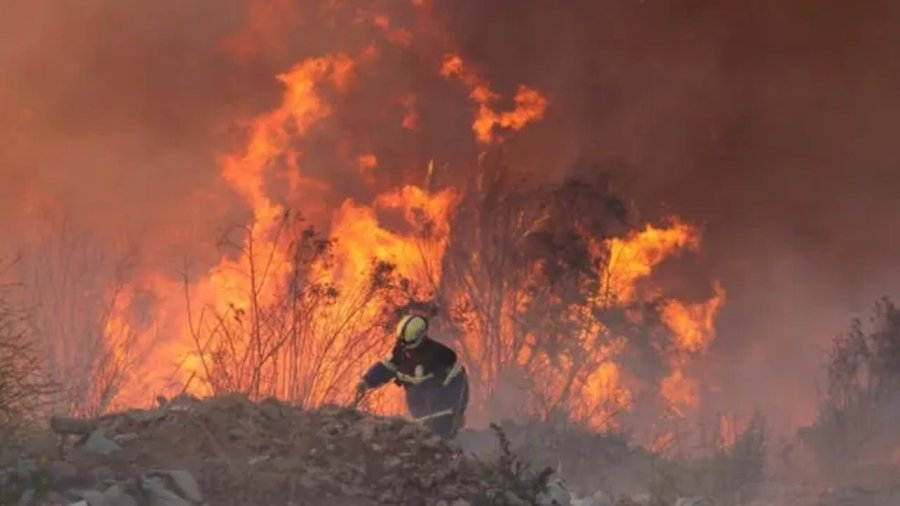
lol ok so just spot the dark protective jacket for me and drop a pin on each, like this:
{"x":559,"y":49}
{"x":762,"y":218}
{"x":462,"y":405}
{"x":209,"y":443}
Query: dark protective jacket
{"x":435,"y":383}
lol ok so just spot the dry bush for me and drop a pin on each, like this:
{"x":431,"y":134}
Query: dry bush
{"x":728,"y":473}
{"x":75,"y":286}
{"x":860,"y":408}
{"x":24,"y":390}
{"x":589,"y":460}
{"x":298,"y":336}
{"x":511,"y":473}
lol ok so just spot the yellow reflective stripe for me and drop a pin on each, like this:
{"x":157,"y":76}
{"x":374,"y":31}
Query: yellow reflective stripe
{"x":415,"y":380}
{"x":438,"y":414}
{"x":454,"y":371}
{"x":390,"y":365}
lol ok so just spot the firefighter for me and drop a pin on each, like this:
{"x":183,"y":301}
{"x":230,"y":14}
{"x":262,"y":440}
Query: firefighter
{"x":435,"y":383}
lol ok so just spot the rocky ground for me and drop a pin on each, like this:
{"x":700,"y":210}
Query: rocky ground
{"x":230,"y":451}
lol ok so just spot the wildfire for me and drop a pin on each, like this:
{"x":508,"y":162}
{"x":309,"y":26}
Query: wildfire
{"x":693,"y":324}
{"x":530,"y":105}
{"x":289,"y":313}
{"x":416,"y":255}
{"x":634,"y":258}
{"x":679,"y":390}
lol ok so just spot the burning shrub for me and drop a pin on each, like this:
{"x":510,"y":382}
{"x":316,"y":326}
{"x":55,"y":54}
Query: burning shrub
{"x":537,"y":301}
{"x":860,"y":409}
{"x":302,"y":337}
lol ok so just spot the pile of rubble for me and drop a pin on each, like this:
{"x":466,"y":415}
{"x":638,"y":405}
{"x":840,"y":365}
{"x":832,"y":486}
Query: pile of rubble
{"x":230,"y":451}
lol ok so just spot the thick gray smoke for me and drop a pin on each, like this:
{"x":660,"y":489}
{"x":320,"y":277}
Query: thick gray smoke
{"x":769,"y":124}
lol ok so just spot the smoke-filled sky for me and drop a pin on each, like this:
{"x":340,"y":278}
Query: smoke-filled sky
{"x":770,"y":124}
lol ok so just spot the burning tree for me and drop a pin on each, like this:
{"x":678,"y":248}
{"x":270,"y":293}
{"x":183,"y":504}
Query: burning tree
{"x":525,"y":290}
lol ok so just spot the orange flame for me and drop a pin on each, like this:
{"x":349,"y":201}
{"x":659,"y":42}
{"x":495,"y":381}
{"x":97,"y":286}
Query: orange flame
{"x":530,"y":105}
{"x":225,"y":286}
{"x":634,"y":258}
{"x":418,"y":258}
{"x":410,"y":227}
{"x":693,"y":324}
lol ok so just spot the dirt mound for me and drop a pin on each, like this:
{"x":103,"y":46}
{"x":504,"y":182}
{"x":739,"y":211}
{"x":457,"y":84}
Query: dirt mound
{"x":230,"y":451}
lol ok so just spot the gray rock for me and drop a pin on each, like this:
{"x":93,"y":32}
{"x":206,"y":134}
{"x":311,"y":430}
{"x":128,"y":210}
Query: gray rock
{"x":116,"y":496}
{"x":513,"y":500}
{"x":460,"y":502}
{"x":98,"y":443}
{"x":408,"y":431}
{"x":433,"y":442}
{"x":159,"y":495}
{"x":186,"y":484}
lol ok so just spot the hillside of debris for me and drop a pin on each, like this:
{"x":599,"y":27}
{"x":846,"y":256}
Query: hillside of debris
{"x":230,"y":451}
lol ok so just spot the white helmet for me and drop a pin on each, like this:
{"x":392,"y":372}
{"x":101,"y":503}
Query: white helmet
{"x":411,"y":330}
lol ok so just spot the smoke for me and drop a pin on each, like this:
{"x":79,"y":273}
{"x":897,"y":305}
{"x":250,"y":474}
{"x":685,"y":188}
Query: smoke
{"x":111,"y":117}
{"x":770,"y":125}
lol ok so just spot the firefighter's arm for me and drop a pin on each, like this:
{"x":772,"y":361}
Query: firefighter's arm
{"x":379,"y":374}
{"x":449,"y":362}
